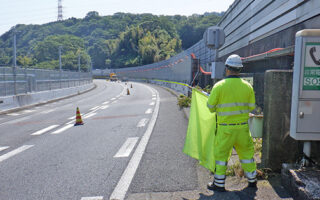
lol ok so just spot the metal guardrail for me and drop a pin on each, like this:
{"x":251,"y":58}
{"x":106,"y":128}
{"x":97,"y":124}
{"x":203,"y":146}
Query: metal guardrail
{"x":14,"y":81}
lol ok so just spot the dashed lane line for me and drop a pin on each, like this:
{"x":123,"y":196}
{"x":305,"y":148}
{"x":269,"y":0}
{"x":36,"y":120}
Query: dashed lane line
{"x":13,"y":114}
{"x":94,"y":108}
{"x":15,"y":152}
{"x":104,"y":103}
{"x":115,"y":102}
{"x":149,"y":111}
{"x":89,"y":115}
{"x":122,"y":187}
{"x":142,"y":122}
{"x":127,"y":147}
{"x":113,"y":99}
{"x":62,"y":129}
{"x":3,"y":148}
{"x":28,"y":111}
{"x":152,"y":103}
{"x":92,"y":198}
{"x":154,"y":98}
{"x":42,"y":131}
{"x":104,"y":107}
{"x":47,"y":111}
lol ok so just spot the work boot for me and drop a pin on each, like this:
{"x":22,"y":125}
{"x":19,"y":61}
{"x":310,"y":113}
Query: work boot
{"x":213,"y":187}
{"x":252,"y":184}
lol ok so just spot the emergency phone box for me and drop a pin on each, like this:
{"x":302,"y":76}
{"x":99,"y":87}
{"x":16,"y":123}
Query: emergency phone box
{"x":305,"y":107}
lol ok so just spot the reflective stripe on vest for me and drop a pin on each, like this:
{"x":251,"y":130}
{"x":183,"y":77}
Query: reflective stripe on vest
{"x":226,"y":105}
{"x":233,"y":112}
{"x":210,"y":106}
{"x":247,"y":161}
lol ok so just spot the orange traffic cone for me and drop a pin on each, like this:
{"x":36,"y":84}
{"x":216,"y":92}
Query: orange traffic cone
{"x":128,"y":92}
{"x":78,"y":118}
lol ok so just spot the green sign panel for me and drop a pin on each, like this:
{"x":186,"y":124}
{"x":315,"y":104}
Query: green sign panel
{"x":311,"y":74}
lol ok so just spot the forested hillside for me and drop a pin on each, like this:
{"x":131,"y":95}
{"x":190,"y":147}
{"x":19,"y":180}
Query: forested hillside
{"x":115,"y":41}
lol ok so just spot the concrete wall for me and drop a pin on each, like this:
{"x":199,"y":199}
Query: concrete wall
{"x":278,"y":147}
{"x":249,"y":21}
{"x":18,"y":101}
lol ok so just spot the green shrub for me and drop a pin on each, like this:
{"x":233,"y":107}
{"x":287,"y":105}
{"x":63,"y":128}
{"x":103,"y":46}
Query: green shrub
{"x":184,"y":101}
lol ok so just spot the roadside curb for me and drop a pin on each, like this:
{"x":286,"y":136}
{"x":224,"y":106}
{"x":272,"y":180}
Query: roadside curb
{"x":46,"y":102}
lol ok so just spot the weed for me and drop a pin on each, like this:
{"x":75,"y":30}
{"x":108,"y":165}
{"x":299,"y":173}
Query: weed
{"x":184,"y":101}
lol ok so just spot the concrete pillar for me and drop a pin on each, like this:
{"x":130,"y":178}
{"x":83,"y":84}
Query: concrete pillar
{"x":277,"y":145}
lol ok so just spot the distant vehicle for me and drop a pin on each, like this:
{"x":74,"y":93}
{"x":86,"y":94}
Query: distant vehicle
{"x":113,"y":77}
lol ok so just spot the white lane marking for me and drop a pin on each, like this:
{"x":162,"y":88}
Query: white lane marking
{"x":115,"y":102}
{"x":17,"y":120}
{"x":142,"y":122}
{"x":153,"y":95}
{"x":71,"y":122}
{"x":121,"y":189}
{"x":28,"y":111}
{"x":92,"y":198}
{"x":42,"y":131}
{"x":15,"y":152}
{"x":89,"y":115}
{"x":154,"y":98}
{"x":94,"y":108}
{"x":126,"y":148}
{"x":152,"y":103}
{"x":3,"y":148}
{"x":47,"y":111}
{"x":104,"y":103}
{"x":73,"y":117}
{"x":149,"y":111}
{"x":113,"y":99}
{"x":104,"y":107}
{"x":13,"y":114}
{"x":62,"y":129}
{"x":118,"y":96}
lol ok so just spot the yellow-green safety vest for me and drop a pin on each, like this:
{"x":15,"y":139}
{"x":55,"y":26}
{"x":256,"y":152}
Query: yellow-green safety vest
{"x":232,"y":99}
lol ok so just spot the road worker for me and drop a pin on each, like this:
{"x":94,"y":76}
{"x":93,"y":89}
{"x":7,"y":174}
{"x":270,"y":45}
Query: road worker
{"x":232,"y":99}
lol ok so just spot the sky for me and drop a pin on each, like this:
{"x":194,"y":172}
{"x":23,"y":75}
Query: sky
{"x":14,"y":12}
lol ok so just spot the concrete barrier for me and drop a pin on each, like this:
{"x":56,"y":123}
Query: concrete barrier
{"x":10,"y":103}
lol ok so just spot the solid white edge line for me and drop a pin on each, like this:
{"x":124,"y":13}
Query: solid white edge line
{"x":122,"y":187}
{"x":15,"y":152}
{"x":40,"y":132}
{"x":3,"y":148}
{"x":62,"y":129}
{"x":92,"y":198}
{"x":127,"y":147}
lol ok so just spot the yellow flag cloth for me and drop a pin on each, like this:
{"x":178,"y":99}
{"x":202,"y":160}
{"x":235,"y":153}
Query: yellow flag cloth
{"x":199,"y":143}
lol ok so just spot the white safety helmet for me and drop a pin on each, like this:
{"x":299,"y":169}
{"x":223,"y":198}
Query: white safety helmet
{"x":234,"y":61}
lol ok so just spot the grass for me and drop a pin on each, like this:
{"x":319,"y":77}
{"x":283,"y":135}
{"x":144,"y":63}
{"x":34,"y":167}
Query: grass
{"x":184,"y":101}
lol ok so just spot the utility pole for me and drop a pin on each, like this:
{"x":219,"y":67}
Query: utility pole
{"x":60,"y":65}
{"x":14,"y":62}
{"x":79,"y":62}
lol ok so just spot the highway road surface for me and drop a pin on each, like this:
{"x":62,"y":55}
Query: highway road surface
{"x":129,"y":144}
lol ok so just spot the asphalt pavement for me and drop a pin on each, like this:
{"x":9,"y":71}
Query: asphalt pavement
{"x":130,"y":147}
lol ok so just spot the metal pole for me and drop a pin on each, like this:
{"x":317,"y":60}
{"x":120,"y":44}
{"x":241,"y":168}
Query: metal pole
{"x":60,"y":66}
{"x":14,"y":63}
{"x":79,"y":68}
{"x":307,"y":151}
